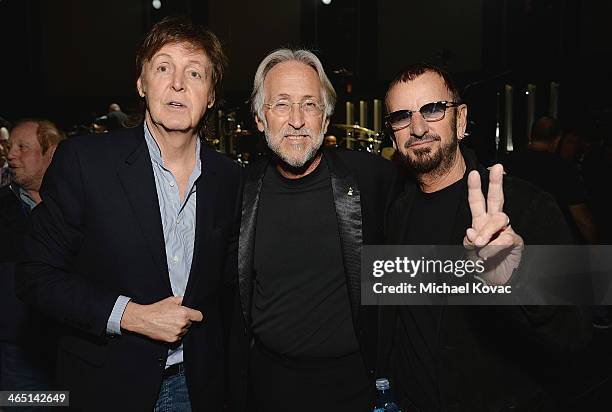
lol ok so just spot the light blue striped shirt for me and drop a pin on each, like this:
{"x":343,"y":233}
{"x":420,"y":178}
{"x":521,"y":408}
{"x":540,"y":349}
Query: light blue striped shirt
{"x":178,"y":222}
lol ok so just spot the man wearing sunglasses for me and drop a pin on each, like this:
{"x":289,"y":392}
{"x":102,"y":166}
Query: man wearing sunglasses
{"x":467,"y":358}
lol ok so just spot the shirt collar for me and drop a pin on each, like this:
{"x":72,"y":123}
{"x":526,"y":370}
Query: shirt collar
{"x":155,"y":151}
{"x":23,"y":196}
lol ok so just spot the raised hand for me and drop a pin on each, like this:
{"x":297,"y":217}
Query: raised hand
{"x":491,"y":236}
{"x":165,"y":321}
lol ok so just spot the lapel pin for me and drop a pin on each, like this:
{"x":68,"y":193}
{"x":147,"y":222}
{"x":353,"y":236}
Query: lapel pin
{"x":350,"y":191}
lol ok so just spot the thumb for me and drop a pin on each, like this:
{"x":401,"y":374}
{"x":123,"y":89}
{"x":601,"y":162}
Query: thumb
{"x":194,"y":315}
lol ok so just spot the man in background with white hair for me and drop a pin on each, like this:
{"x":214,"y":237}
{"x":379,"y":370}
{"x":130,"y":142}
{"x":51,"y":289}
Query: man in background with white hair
{"x":306,"y":213}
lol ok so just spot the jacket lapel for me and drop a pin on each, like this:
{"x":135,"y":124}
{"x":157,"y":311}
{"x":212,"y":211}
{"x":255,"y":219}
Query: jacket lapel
{"x":136,"y":177}
{"x":246,"y":245}
{"x":207,"y":187}
{"x":347,"y":201}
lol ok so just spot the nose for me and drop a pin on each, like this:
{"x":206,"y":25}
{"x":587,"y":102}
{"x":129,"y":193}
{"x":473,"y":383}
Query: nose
{"x":296,"y":117}
{"x":178,"y":81}
{"x":12,"y":153}
{"x":418,"y":126}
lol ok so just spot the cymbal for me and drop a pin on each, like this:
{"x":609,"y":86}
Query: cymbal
{"x":354,"y":127}
{"x":242,"y":132}
{"x":368,"y":139}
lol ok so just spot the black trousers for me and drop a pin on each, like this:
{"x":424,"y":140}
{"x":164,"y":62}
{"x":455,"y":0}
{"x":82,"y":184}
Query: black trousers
{"x":331,"y":384}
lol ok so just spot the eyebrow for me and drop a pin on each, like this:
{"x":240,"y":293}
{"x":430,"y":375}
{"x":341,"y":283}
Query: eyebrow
{"x":191,"y":61}
{"x":286,"y":96}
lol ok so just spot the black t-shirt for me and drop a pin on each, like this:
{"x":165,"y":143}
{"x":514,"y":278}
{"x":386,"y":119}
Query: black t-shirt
{"x":431,"y":222}
{"x":300,"y":302}
{"x":433,"y":215}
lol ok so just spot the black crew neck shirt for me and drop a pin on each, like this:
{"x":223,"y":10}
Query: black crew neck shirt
{"x":300,"y":301}
{"x":433,"y":215}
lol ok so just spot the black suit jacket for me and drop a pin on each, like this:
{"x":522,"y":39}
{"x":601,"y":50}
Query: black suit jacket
{"x":97,"y":235}
{"x":13,"y":219}
{"x":363,"y":187}
{"x":484,"y":358}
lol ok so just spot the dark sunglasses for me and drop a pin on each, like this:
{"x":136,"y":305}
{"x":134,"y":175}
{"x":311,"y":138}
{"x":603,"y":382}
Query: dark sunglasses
{"x":431,"y":112}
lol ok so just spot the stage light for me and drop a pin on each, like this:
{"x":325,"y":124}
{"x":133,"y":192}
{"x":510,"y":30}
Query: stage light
{"x":156,"y":4}
{"x":326,"y":2}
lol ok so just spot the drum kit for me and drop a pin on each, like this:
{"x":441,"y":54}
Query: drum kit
{"x":245,"y":145}
{"x":359,"y":138}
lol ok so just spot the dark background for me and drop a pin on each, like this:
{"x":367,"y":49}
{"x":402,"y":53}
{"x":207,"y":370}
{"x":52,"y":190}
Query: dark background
{"x":68,"y":59}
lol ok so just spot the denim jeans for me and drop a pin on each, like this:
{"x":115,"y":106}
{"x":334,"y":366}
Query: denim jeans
{"x":23,"y":369}
{"x":173,"y":396}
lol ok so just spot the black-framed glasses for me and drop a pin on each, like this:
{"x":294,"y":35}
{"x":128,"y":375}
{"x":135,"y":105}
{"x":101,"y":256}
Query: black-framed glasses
{"x":431,"y":112}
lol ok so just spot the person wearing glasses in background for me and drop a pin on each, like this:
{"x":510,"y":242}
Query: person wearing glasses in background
{"x":306,"y":212}
{"x":468,"y":358}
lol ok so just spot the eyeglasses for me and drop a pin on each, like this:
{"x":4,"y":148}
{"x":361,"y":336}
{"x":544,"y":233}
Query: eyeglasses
{"x":283,"y":107}
{"x":431,"y":112}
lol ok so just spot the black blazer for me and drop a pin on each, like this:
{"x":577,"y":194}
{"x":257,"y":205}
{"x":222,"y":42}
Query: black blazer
{"x":363,"y":187}
{"x":486,"y":358}
{"x":13,"y":219}
{"x":97,"y":235}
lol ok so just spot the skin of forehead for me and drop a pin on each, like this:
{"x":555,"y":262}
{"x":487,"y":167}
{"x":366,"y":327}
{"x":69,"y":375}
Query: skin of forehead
{"x":426,"y":88}
{"x":194,"y":53}
{"x":291,"y":77}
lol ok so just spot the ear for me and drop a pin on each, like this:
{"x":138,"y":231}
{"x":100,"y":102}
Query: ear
{"x":140,"y":87}
{"x":50,"y":152}
{"x":260,"y":124}
{"x":211,"y":100}
{"x":462,"y":112}
{"x":324,"y":125}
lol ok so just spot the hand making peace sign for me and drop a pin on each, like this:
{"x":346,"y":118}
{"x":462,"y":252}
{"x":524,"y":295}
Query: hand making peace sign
{"x":491,"y":234}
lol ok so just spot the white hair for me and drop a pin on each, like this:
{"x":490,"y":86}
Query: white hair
{"x":285,"y":55}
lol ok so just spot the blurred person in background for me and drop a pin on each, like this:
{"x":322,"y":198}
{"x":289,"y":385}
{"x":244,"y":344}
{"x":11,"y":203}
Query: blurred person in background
{"x":4,"y":169}
{"x":542,"y":166}
{"x":27,"y":345}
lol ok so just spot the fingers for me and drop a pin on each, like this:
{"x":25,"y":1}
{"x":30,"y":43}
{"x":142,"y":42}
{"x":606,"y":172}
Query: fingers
{"x":476,"y":200}
{"x":175,"y":300}
{"x":495,"y":195}
{"x":494,"y":225}
{"x":508,"y":239}
{"x":470,"y":238}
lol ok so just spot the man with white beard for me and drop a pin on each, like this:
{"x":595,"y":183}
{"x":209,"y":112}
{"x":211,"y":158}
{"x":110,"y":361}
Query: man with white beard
{"x":306,"y":212}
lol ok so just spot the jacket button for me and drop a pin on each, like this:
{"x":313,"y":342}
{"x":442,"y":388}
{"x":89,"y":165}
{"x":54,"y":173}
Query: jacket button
{"x":161,"y":362}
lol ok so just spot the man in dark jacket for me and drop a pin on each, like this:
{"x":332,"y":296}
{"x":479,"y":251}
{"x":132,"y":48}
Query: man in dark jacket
{"x":305,"y":215}
{"x":468,"y":358}
{"x":27,"y":344}
{"x":129,"y":246}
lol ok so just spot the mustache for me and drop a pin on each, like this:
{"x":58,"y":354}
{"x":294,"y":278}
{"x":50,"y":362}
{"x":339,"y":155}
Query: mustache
{"x":300,"y":132}
{"x":413,"y":139}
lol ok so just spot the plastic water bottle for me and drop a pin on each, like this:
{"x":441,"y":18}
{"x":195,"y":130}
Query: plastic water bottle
{"x":385,"y":401}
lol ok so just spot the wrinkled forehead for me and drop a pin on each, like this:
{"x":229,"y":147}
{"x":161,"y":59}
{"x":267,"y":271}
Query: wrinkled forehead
{"x":24,"y":131}
{"x":181,"y":50}
{"x":292,"y":79}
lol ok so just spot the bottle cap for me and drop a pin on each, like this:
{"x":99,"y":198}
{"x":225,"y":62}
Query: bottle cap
{"x":382,"y":384}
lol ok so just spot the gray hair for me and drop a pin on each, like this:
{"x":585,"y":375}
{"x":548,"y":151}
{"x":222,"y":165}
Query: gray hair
{"x":284,"y":55}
